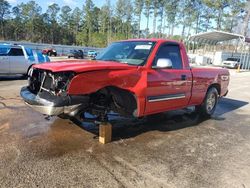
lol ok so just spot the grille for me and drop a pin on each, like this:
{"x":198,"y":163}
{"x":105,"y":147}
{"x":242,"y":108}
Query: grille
{"x":47,"y":84}
{"x":40,"y":80}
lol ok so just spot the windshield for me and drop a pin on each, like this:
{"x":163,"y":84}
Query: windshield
{"x":232,"y":59}
{"x":130,"y":52}
{"x":4,"y":50}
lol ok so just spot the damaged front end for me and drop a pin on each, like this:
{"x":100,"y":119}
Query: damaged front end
{"x":47,"y":93}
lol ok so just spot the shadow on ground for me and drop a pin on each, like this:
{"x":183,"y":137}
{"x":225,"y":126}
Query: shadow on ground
{"x":168,"y":121}
{"x":9,"y":78}
{"x":227,"y":105}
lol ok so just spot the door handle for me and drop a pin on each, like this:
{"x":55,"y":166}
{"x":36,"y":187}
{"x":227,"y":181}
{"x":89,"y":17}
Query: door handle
{"x":183,"y":77}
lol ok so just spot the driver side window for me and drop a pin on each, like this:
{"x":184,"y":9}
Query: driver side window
{"x":172,"y":52}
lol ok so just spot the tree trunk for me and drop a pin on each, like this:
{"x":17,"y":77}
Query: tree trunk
{"x":231,"y":25}
{"x":154,"y":20}
{"x":183,"y":30}
{"x":219,"y":19}
{"x":172,"y":30}
{"x":32,"y":32}
{"x":164,"y":26}
{"x":189,"y":31}
{"x":147,"y":23}
{"x":246,"y":24}
{"x":207,"y":24}
{"x":109,"y":30}
{"x":2,"y":27}
{"x":197,"y":24}
{"x":139,"y":26}
{"x":161,"y":23}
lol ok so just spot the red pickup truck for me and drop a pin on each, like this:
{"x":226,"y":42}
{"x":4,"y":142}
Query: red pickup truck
{"x":132,"y":78}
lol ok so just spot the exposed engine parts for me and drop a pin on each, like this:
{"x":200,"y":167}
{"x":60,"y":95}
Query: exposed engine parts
{"x":54,"y":83}
{"x":112,"y":99}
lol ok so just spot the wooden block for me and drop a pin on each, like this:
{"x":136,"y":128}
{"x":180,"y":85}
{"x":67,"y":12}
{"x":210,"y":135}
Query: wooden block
{"x":105,"y":133}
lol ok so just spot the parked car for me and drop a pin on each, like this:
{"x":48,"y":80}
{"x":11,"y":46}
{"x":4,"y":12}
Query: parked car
{"x":231,"y":62}
{"x":92,"y":53}
{"x":133,"y":78}
{"x":49,"y":52}
{"x":16,"y":59}
{"x":78,"y":54}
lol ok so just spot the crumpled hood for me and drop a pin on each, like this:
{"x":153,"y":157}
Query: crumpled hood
{"x":82,"y":66}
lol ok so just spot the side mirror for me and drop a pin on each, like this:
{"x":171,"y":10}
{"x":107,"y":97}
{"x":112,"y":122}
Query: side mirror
{"x":163,"y":63}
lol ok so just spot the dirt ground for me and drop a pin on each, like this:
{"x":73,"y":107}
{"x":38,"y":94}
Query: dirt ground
{"x":177,"y":149}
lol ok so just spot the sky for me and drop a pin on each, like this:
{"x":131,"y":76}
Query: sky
{"x":76,"y":3}
{"x":72,"y":3}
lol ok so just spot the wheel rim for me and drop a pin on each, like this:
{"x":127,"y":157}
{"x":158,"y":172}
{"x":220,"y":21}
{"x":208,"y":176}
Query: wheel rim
{"x":211,"y":101}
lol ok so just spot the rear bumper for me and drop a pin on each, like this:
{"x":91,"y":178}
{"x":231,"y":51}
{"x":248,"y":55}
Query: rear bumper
{"x":47,"y":104}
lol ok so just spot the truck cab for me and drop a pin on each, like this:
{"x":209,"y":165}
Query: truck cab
{"x":169,"y":79}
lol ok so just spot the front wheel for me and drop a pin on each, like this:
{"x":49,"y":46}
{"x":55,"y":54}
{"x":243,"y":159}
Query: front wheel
{"x":207,"y":108}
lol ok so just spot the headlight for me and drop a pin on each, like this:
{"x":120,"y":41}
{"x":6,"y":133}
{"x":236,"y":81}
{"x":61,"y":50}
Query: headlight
{"x":61,"y":82}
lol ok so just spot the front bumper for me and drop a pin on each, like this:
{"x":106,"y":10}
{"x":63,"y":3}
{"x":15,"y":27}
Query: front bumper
{"x":230,"y":65}
{"x":48,"y":104}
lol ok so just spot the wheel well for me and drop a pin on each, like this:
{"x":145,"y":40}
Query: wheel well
{"x":216,"y":86}
{"x":29,"y":68}
{"x":123,"y":101}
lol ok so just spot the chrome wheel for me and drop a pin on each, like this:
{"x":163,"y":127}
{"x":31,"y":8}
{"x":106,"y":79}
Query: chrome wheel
{"x":207,"y":108}
{"x":211,"y":101}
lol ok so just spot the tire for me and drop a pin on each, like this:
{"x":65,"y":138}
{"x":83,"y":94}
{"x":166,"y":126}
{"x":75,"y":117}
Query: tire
{"x":207,"y":108}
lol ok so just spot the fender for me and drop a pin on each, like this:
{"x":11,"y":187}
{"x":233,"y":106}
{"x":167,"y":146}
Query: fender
{"x":132,"y":80}
{"x":203,"y":79}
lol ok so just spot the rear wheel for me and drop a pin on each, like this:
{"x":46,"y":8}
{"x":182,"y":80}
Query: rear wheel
{"x":209,"y":104}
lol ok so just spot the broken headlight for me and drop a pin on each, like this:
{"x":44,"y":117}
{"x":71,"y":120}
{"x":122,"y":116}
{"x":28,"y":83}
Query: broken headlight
{"x":61,"y":82}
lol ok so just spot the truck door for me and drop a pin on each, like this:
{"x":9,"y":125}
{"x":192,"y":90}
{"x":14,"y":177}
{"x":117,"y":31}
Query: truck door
{"x":18,"y":62}
{"x":168,"y":88}
{"x":4,"y":60}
